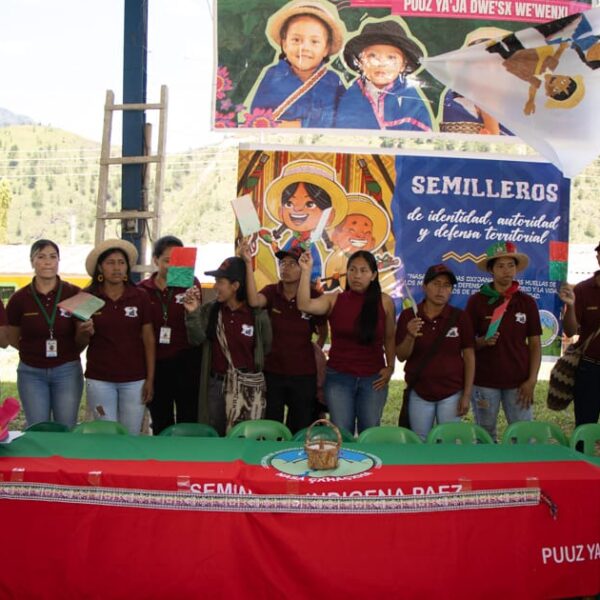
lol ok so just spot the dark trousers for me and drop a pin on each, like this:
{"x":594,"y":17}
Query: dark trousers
{"x":176,"y":387}
{"x":587,"y":393}
{"x":298,"y":393}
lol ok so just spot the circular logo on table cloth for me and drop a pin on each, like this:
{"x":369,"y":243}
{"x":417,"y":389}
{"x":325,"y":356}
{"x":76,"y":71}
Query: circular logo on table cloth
{"x":550,"y":327}
{"x":294,"y":461}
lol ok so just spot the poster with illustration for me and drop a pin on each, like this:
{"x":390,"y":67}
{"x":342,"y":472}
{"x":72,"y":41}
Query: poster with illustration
{"x":357,"y":65}
{"x":410,"y":211}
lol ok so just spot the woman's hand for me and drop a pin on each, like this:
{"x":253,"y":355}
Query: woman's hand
{"x":306,"y":261}
{"x":246,"y":252}
{"x":463,"y":405}
{"x":191,"y":299}
{"x":567,"y":294}
{"x":384,"y":378}
{"x":147,"y":391}
{"x":86,"y":328}
{"x":414,"y":326}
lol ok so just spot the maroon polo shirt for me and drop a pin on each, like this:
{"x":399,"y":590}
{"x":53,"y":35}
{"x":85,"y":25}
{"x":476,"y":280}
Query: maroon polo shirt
{"x":292,"y":351}
{"x":24,"y":312}
{"x":587,"y":311}
{"x":239,"y":331}
{"x":3,"y":320}
{"x":172,"y":300}
{"x":346,"y":354}
{"x":116,"y":350}
{"x":444,"y":373}
{"x":505,"y":365}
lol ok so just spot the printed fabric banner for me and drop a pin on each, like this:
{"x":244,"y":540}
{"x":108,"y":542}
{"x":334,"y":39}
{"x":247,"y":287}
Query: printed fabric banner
{"x":357,"y":65}
{"x":543,"y":83}
{"x":410,"y":212}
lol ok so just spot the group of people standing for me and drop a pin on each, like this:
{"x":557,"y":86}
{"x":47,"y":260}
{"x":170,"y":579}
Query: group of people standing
{"x":250,"y":353}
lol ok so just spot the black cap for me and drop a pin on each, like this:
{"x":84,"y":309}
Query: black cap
{"x":437,"y":270}
{"x":232,"y":268}
{"x":294,"y":252}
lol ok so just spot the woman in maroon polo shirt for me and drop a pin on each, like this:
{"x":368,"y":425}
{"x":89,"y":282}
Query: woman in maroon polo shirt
{"x":49,"y":377}
{"x":121,"y":352}
{"x":361,"y":357}
{"x":177,"y":373}
{"x":290,"y":368}
{"x":440,"y":384}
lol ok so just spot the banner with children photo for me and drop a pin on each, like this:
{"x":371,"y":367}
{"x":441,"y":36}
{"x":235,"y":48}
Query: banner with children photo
{"x":357,"y":65}
{"x":411,"y":212}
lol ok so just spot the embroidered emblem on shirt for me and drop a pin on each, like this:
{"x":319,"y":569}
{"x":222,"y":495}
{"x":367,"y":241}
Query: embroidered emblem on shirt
{"x":305,"y":316}
{"x":131,"y":311}
{"x":247,"y":330}
{"x":64,"y":313}
{"x":520,"y":318}
{"x":452,"y":332}
{"x":179,"y":298}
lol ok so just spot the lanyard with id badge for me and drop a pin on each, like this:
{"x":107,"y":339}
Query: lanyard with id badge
{"x":164,"y":335}
{"x":51,"y":343}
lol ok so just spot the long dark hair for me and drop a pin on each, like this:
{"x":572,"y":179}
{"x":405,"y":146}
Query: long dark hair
{"x":94,"y":285}
{"x":211,"y":328}
{"x":366,"y":325}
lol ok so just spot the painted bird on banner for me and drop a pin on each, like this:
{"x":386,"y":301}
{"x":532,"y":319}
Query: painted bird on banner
{"x":543,"y":83}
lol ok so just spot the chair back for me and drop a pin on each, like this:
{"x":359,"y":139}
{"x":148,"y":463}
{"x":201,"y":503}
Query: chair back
{"x":322,"y":432}
{"x":459,"y":433}
{"x":534,"y":432}
{"x":389,"y":435}
{"x":190,"y":430}
{"x":261,"y":429}
{"x":102,"y":427}
{"x":48,"y":426}
{"x":586,"y":439}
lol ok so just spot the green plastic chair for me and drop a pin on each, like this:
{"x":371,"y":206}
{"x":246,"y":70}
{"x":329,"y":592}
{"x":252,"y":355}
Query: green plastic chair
{"x":534,"y":432}
{"x":49,"y":426}
{"x":190,"y":430}
{"x":586,"y":439}
{"x":102,"y":427}
{"x":459,"y":433}
{"x":322,"y":432}
{"x":389,"y":435}
{"x":261,"y":429}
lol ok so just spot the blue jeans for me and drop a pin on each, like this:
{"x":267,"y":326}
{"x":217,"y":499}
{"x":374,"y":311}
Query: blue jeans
{"x":53,"y":393}
{"x":352,"y":402}
{"x":120,"y":402}
{"x":486,"y":405}
{"x":422,"y":413}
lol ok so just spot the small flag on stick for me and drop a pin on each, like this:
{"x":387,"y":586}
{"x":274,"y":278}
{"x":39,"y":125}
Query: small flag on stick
{"x":82,"y":305}
{"x":181,"y":267}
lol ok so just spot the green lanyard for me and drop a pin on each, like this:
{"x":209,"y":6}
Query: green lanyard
{"x":165,"y":307}
{"x":49,"y":319}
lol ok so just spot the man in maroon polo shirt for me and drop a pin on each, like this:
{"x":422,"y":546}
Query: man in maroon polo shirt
{"x":290,"y":368}
{"x":582,"y":316}
{"x":508,"y":346}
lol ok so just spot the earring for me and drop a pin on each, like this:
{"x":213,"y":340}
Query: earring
{"x":100,"y":278}
{"x":125,"y":279}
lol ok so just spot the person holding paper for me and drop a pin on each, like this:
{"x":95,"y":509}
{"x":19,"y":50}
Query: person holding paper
{"x":177,"y":373}
{"x":49,"y":375}
{"x":290,"y":368}
{"x":362,"y":354}
{"x":507,"y":340}
{"x":441,"y":384}
{"x":120,"y":338}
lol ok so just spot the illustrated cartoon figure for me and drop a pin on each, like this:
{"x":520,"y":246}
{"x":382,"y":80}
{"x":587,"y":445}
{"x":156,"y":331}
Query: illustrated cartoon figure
{"x":301,"y":90}
{"x":536,"y":66}
{"x":306,"y":198}
{"x":365,"y":227}
{"x":461,"y":115}
{"x":383,"y":54}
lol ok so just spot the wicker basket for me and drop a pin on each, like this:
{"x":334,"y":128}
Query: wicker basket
{"x":322,"y":454}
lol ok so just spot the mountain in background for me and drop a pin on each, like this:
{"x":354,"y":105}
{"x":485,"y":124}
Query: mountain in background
{"x":8,"y":118}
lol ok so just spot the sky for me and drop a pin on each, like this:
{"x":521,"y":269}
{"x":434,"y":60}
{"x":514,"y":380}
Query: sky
{"x":60,"y":56}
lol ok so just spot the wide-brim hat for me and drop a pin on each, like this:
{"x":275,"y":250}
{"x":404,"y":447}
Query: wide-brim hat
{"x":322,"y":10}
{"x":504,"y":250}
{"x":126,"y":247}
{"x":573,"y":100}
{"x":307,"y":171}
{"x":232,"y":268}
{"x":485,"y":34}
{"x":437,"y":270}
{"x":360,"y":204}
{"x":386,"y":32}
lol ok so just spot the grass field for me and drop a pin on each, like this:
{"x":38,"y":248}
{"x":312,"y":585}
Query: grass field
{"x":565,"y":419}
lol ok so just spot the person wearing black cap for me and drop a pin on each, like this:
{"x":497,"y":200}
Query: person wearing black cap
{"x":582,"y":316}
{"x":290,"y":368}
{"x":441,"y":384}
{"x":235,"y":340}
{"x":383,"y":55}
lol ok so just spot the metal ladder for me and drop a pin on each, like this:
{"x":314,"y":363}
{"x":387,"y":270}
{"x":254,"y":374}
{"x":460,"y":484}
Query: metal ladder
{"x":149,"y":217}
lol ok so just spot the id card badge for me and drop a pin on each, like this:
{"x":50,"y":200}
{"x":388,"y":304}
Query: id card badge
{"x":164,"y":336}
{"x":51,"y":348}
